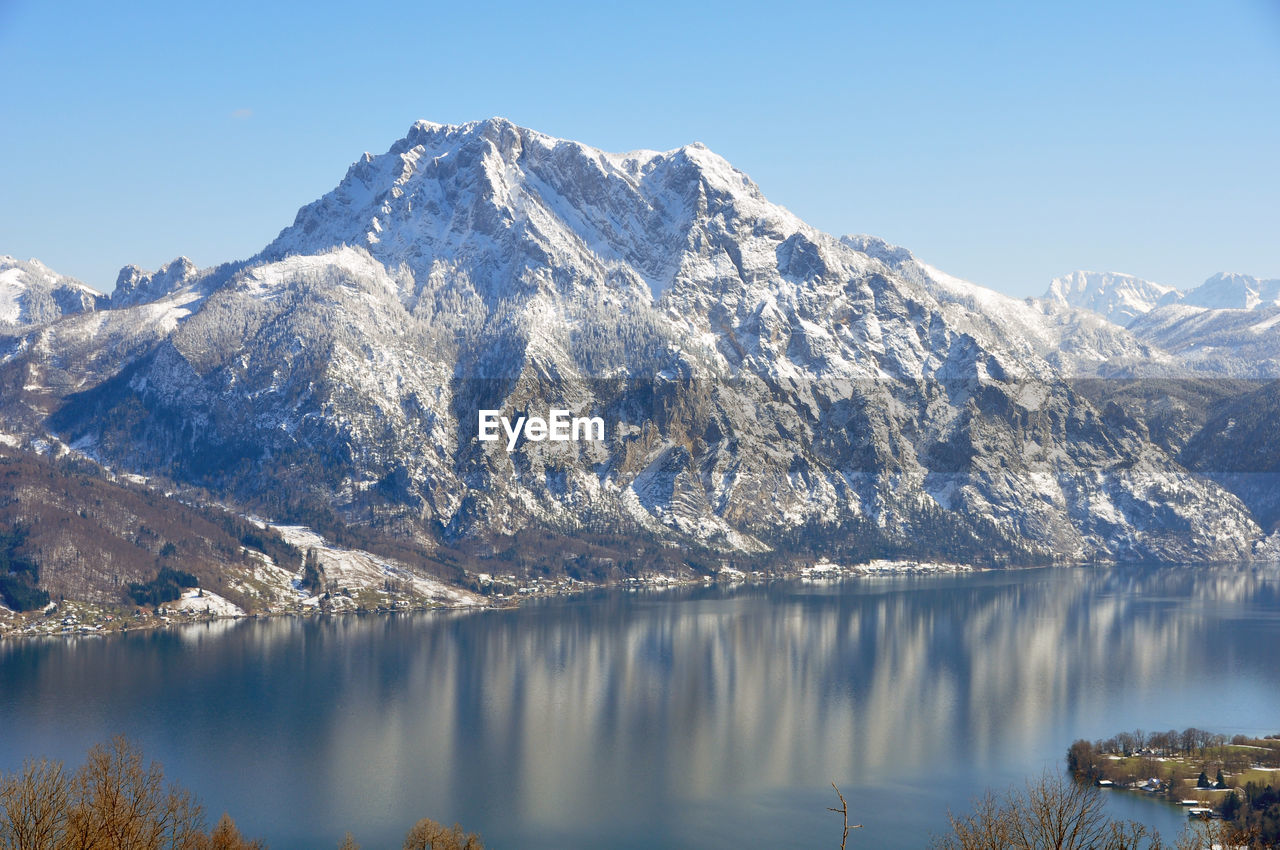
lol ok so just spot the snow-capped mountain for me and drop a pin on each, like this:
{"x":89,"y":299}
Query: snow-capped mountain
{"x":1122,"y":298}
{"x":1234,"y":292}
{"x":1119,"y":298}
{"x":767,"y":388}
{"x":32,"y":294}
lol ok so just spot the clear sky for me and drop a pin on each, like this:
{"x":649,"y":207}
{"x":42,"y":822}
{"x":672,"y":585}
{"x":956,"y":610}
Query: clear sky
{"x":1004,"y":142}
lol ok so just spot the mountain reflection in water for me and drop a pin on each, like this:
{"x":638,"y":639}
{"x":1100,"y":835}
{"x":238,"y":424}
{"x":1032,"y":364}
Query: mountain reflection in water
{"x":705,"y":717}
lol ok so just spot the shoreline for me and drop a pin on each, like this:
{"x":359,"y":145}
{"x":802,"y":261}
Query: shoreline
{"x":87,"y":619}
{"x":75,"y":619}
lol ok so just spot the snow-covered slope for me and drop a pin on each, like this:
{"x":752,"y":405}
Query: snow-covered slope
{"x":1119,"y":298}
{"x":1075,"y":341}
{"x":33,"y":294}
{"x":1236,"y":343}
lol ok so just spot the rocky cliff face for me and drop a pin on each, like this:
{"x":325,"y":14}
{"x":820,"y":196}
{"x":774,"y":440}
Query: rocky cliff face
{"x":135,"y":285}
{"x":1239,"y":447}
{"x":765,"y":388}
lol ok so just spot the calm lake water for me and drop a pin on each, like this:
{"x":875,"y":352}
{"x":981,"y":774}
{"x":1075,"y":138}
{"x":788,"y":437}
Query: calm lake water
{"x":706,"y":718}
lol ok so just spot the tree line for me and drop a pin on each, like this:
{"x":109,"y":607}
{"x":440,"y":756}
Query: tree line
{"x":19,"y":574}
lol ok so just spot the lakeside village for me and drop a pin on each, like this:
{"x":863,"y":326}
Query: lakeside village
{"x":1236,"y":779}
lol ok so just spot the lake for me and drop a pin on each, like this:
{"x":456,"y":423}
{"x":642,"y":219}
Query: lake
{"x":708,"y":717}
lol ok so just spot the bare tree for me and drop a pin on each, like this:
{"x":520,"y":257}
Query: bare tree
{"x":1051,"y":813}
{"x":843,"y":811}
{"x":1130,"y":835}
{"x":1057,"y":814}
{"x":226,"y":836}
{"x":427,"y":834}
{"x":986,"y":828}
{"x":114,"y":801}
{"x":33,"y":806}
{"x":118,"y":803}
{"x":1216,"y":834}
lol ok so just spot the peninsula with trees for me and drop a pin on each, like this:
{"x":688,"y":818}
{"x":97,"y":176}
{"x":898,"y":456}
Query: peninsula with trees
{"x":1235,"y":779}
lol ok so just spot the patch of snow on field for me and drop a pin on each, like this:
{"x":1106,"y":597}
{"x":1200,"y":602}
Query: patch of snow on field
{"x":206,"y":602}
{"x":354,"y":569}
{"x":880,"y":566}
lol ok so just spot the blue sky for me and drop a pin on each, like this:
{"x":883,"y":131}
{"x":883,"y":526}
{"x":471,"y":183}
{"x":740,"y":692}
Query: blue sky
{"x":1004,"y":142}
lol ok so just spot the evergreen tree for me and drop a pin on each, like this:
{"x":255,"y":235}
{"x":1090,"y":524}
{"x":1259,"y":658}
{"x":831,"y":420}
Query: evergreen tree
{"x":312,"y":572}
{"x":1230,"y":806}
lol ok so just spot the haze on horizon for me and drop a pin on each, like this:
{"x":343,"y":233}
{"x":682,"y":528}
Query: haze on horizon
{"x":1003,"y":143}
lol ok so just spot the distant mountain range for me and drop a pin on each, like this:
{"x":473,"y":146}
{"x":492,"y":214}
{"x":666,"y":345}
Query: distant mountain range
{"x":1121,"y":298}
{"x":772,"y":395}
{"x":1225,"y":326}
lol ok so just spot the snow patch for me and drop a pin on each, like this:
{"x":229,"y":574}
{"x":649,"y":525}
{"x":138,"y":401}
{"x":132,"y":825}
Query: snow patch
{"x":201,"y":601}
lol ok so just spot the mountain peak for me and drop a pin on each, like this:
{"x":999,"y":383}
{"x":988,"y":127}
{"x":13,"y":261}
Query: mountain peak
{"x":1118,"y":297}
{"x":1231,"y":291}
{"x":498,"y":130}
{"x":505,"y":205}
{"x":135,"y":285}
